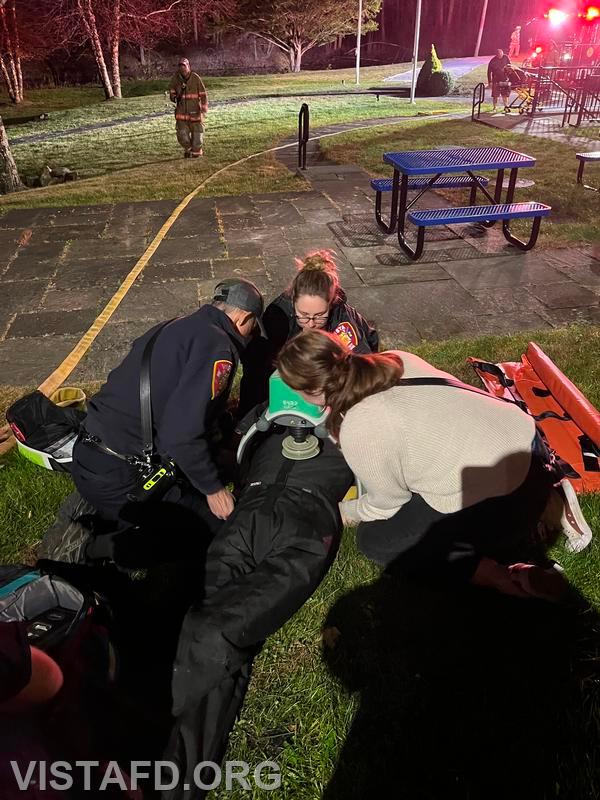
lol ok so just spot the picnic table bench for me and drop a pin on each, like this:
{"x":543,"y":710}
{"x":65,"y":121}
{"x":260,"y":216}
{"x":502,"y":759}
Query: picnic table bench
{"x":461,"y":162}
{"x":382,"y":185}
{"x":585,"y":158}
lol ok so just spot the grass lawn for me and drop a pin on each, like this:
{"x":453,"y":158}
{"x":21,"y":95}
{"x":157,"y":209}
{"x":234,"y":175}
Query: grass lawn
{"x":229,"y":87}
{"x":142,"y":160}
{"x":465,"y":84}
{"x":444,"y":694}
{"x":574,"y":212}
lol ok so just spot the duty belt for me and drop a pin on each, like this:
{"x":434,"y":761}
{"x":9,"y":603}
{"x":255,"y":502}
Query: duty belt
{"x":88,"y":438}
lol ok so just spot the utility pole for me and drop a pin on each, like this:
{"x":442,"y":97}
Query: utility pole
{"x":358,"y":35}
{"x":195,"y":23}
{"x":415,"y":52}
{"x":481,"y":26}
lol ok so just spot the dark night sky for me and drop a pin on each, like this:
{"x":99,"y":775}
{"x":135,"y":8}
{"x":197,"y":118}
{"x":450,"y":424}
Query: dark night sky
{"x":449,"y":24}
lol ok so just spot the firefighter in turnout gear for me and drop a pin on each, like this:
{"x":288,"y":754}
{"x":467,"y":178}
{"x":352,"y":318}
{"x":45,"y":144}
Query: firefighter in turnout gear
{"x":189,"y":94}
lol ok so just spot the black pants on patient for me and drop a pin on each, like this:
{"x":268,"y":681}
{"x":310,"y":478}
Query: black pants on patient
{"x":423,"y":542}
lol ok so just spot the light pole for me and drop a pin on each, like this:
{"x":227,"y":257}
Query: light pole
{"x":415,"y":52}
{"x":481,"y":25}
{"x":358,"y":34}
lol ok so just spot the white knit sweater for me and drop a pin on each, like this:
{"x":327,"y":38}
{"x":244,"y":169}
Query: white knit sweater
{"x":452,"y":447}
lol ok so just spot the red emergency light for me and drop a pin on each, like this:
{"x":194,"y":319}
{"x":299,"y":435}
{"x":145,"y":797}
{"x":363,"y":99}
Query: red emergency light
{"x":556,"y":16}
{"x":592,"y":13}
{"x":537,"y":51}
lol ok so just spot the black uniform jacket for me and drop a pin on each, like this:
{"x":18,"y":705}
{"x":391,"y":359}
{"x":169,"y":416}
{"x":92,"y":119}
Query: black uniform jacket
{"x":280,"y":324}
{"x":194,"y":361}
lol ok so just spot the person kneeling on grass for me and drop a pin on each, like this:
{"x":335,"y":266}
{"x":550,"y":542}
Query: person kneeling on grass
{"x":315,"y":299}
{"x":456,"y":481}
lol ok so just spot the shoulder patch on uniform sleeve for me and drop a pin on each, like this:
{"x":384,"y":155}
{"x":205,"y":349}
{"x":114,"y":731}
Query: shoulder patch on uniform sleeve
{"x":221,"y":372}
{"x":347,"y":334}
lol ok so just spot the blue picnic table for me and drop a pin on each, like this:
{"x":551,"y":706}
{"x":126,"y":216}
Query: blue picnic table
{"x":411,"y":171}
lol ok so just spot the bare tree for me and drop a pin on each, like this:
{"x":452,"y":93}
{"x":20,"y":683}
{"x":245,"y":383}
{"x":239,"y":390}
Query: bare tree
{"x":296,"y":26}
{"x":114,"y":45}
{"x":10,"y":56}
{"x":195,"y":17}
{"x":87,"y":13}
{"x":23,"y":36}
{"x":106,"y":24}
{"x":9,"y":175}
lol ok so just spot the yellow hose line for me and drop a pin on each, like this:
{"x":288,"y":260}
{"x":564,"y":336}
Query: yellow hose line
{"x":62,"y":372}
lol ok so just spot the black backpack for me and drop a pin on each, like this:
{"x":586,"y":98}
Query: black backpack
{"x":58,"y":616}
{"x":63,"y":617}
{"x":45,"y":432}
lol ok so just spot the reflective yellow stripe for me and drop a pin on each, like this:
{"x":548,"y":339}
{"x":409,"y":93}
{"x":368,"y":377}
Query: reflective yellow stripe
{"x":62,"y":372}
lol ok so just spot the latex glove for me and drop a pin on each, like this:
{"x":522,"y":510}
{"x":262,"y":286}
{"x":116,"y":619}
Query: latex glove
{"x":221,"y":503}
{"x":347,"y":518}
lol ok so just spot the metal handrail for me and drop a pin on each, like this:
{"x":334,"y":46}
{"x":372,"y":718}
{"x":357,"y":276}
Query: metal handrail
{"x":303,"y":134}
{"x":547,"y":84}
{"x":584,"y":102}
{"x":478,"y":99}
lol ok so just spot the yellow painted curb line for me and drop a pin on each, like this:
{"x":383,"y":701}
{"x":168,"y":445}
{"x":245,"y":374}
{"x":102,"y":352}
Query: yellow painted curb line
{"x":62,"y":372}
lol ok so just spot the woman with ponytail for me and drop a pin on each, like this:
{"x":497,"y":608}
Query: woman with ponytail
{"x":314,"y":300}
{"x":456,"y":481}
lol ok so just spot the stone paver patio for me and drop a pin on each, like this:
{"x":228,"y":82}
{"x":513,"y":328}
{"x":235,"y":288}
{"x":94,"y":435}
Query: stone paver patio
{"x":59,"y":267}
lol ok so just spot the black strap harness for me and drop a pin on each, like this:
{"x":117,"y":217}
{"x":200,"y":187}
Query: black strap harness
{"x":148,"y":452}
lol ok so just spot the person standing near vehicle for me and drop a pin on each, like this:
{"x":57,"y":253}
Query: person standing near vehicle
{"x":189,"y":94}
{"x":515,"y":42}
{"x":497,"y":78}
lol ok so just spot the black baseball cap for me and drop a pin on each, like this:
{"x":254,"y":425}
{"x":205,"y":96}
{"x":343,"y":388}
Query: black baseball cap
{"x":240,"y":293}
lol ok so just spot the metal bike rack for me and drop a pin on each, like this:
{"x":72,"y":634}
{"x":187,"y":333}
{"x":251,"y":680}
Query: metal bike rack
{"x":303,"y":134}
{"x":478,"y":99}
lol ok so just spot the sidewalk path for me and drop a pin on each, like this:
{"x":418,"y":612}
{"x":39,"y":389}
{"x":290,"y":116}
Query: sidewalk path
{"x":59,"y":267}
{"x":456,"y":66}
{"x":544,"y":126}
